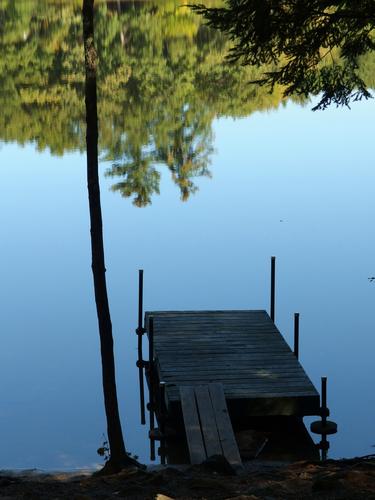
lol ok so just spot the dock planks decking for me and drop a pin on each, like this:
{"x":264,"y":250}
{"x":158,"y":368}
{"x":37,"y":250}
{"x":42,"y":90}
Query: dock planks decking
{"x":243,"y":350}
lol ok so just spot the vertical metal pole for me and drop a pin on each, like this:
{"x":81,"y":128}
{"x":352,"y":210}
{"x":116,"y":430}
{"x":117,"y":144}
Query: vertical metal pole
{"x":324,"y":401}
{"x":140,"y":331}
{"x":272,"y":308}
{"x":324,"y":446}
{"x":140,"y":299}
{"x":151,"y":384}
{"x":296,"y":335}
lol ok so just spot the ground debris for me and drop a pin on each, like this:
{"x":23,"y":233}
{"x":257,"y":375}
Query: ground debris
{"x":352,"y":479}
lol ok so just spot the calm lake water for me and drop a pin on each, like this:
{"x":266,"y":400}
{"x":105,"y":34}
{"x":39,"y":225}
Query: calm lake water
{"x":258,"y":177}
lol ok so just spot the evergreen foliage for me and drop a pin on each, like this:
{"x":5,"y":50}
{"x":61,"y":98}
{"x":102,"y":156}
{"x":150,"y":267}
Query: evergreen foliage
{"x":316,"y":44}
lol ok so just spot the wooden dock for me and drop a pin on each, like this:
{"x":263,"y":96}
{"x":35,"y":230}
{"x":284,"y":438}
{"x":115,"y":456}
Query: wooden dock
{"x":242,"y":350}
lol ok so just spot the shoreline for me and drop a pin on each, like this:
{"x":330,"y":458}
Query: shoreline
{"x":352,"y":478}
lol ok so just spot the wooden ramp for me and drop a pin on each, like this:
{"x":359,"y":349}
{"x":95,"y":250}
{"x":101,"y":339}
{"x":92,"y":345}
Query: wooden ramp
{"x":243,"y":350}
{"x":207,"y":424}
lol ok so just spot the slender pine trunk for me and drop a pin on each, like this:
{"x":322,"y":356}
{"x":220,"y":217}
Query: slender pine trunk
{"x":118,"y":456}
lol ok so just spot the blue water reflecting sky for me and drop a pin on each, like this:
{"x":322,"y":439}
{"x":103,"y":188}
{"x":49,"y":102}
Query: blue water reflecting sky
{"x":290,"y":183}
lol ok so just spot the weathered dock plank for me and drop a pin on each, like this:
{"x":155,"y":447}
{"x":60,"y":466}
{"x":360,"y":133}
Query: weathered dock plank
{"x":207,"y":418}
{"x":243,"y":350}
{"x":192,"y":426}
{"x":208,"y":427}
{"x":224,"y":425}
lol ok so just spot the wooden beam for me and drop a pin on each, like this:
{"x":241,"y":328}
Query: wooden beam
{"x":224,"y":425}
{"x":192,"y":426}
{"x":208,"y":422}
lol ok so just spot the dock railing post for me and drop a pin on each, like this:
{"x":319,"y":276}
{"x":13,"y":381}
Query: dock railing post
{"x":140,"y":299}
{"x":272,"y":306}
{"x":151,"y":384}
{"x":140,"y":331}
{"x":296,"y":335}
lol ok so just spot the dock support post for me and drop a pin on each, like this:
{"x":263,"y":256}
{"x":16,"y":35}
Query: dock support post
{"x":151,"y":384}
{"x":162,"y":449}
{"x":324,"y":443}
{"x":296,"y":335}
{"x":324,"y":447}
{"x":325,"y":410}
{"x":140,"y":331}
{"x":324,"y":427}
{"x":272,"y":307}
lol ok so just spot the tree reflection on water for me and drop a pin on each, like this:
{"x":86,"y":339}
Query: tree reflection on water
{"x":161,"y":83}
{"x":162,"y":80}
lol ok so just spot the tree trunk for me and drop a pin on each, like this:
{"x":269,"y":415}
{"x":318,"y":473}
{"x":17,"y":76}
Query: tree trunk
{"x":118,"y":456}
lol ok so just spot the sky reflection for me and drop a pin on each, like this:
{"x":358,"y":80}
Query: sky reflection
{"x":291,"y":183}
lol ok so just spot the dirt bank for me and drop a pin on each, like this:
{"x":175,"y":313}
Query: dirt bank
{"x":344,"y":479}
